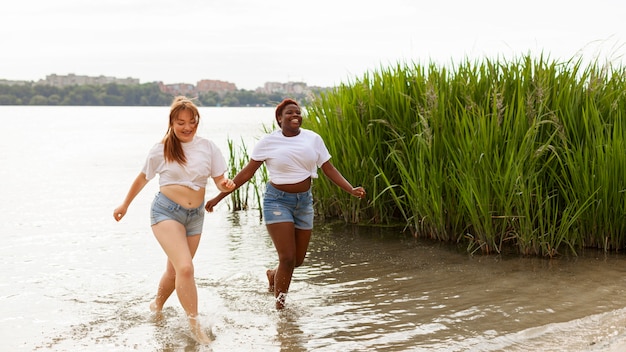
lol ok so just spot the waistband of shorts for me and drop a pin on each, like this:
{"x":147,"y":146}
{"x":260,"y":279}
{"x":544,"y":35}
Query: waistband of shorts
{"x":175,"y":205}
{"x":270,"y":187}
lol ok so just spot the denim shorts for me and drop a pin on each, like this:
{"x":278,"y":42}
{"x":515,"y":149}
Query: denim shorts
{"x":279,"y":206}
{"x":164,"y":208}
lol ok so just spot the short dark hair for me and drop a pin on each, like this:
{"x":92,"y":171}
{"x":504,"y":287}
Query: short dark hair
{"x":281,"y":106}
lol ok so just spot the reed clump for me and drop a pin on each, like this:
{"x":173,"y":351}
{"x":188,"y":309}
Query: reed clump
{"x":249,"y":195}
{"x":527,"y":154}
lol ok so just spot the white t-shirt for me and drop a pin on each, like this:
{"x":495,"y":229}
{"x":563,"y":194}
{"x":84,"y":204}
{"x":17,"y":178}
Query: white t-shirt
{"x":291,"y":159}
{"x":204,"y":160}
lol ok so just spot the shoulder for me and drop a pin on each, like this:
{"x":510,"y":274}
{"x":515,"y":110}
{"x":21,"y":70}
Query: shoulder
{"x":157,"y":148}
{"x":156,"y":153}
{"x":310,"y":134}
{"x":272,"y":136}
{"x":202,"y":142}
{"x":197,"y":139}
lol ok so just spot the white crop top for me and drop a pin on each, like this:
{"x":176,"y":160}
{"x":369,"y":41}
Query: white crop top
{"x":204,"y":160}
{"x":291,"y":159}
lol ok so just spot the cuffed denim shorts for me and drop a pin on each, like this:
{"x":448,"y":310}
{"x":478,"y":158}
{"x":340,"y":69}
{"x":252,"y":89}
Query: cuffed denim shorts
{"x":279,"y":206}
{"x":164,"y":208}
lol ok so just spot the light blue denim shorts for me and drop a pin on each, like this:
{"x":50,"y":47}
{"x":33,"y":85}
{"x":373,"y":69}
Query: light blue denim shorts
{"x":279,"y":206}
{"x":164,"y":208}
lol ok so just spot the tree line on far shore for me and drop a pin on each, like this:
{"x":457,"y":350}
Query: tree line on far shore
{"x":147,"y":94}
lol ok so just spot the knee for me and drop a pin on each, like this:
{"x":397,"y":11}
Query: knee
{"x":185,"y":271}
{"x":170,"y":274}
{"x":299,"y":262}
{"x":288,"y":261}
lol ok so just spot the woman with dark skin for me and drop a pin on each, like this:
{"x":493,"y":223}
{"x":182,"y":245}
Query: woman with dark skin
{"x":292,"y":156}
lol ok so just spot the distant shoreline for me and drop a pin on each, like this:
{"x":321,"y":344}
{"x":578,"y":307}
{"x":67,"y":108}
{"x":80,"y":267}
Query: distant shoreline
{"x":147,"y":94}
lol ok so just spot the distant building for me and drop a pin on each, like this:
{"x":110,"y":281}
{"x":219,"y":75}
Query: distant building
{"x":203,"y":86}
{"x":212,"y":85}
{"x":186,"y":89}
{"x":284,"y":88}
{"x":78,"y":80}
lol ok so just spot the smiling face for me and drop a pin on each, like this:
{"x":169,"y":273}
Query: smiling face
{"x":185,"y":125}
{"x":290,"y":120}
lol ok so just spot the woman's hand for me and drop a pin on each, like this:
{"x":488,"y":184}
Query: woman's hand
{"x":358,"y":192}
{"x":119,"y":212}
{"x":227,"y":185}
{"x":211,"y":203}
{"x":224,"y":184}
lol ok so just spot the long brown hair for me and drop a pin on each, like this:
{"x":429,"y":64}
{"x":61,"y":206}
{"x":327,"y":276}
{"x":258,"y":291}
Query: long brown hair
{"x":172,"y":149}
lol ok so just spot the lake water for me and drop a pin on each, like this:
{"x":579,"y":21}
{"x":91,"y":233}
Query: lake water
{"x":75,"y":280}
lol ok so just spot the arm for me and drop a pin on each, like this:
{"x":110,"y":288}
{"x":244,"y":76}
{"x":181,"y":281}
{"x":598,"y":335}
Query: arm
{"x":334,"y":175}
{"x":135,"y":188}
{"x":224,"y":184}
{"x":242,"y":177}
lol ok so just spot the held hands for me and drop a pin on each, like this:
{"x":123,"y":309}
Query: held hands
{"x":224,"y":185}
{"x":358,"y":192}
{"x":227,"y":184}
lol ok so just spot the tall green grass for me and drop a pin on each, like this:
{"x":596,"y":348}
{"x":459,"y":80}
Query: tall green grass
{"x":249,"y":195}
{"x":527,"y":154}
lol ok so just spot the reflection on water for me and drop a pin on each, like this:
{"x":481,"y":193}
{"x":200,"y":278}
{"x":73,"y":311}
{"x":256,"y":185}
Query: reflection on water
{"x":398,"y":293}
{"x":361,"y":289}
{"x":75,"y":280}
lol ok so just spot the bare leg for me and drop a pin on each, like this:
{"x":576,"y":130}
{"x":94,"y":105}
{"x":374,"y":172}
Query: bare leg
{"x":291,"y":245}
{"x":165,"y":289}
{"x":167,"y":283}
{"x":180,"y":249}
{"x":303,"y":237}
{"x":270,"y":279}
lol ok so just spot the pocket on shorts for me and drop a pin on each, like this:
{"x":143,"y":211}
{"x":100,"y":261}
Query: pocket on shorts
{"x":160,"y":210}
{"x":271,"y":196}
{"x":164,"y":203}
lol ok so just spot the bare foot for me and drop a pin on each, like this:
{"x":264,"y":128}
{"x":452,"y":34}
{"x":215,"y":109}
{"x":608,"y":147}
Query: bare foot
{"x":158,"y":315}
{"x":198,"y":333}
{"x":280,"y":300}
{"x":270,"y":278}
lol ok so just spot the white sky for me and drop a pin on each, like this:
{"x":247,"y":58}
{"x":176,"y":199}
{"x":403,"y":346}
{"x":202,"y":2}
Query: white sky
{"x":320,"y":42}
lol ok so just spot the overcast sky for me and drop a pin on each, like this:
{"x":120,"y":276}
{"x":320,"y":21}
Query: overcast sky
{"x":320,"y":42}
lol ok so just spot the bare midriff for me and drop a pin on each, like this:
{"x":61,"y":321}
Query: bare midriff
{"x":184,"y":196}
{"x":299,"y":187}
